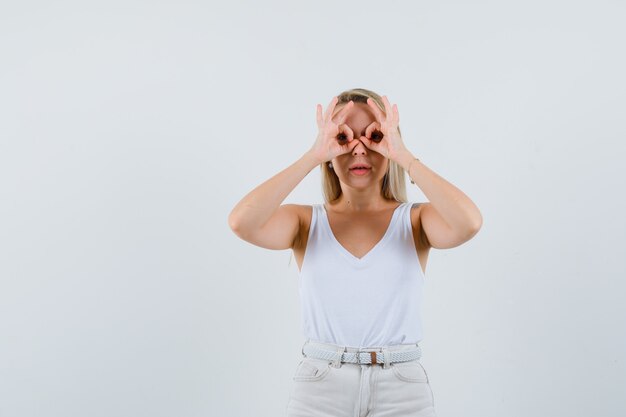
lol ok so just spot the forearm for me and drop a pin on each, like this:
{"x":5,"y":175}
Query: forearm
{"x":456,"y":208}
{"x":257,"y":207}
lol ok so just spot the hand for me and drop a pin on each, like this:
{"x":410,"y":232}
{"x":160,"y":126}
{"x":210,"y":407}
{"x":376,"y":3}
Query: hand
{"x":334,"y":137}
{"x":391,"y":145}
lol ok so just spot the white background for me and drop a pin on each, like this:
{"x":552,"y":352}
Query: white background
{"x":129,"y":130}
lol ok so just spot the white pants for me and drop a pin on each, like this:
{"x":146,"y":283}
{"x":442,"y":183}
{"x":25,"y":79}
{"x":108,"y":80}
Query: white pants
{"x":329,"y":388}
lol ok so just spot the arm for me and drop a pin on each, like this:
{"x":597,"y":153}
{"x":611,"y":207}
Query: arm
{"x":259,"y":219}
{"x":450,"y":218}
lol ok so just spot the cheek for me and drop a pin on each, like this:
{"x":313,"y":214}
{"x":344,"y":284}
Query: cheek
{"x":381,"y":160}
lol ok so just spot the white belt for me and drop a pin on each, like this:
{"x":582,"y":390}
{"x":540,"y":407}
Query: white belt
{"x":368,"y":357}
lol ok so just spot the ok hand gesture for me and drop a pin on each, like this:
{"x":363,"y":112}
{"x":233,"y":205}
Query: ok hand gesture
{"x":391,"y":145}
{"x":334,"y":137}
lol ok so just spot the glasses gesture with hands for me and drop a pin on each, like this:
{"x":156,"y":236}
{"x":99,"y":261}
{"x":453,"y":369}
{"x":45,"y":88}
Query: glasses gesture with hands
{"x":336,"y":138}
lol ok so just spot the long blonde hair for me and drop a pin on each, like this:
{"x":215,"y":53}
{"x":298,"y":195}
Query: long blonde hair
{"x":393,"y":186}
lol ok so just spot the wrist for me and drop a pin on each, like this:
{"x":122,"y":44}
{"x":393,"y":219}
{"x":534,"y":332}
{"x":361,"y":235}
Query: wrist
{"x":311,"y":159}
{"x":405,"y":159}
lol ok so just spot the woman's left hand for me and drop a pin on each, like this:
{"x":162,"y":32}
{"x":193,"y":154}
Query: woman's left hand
{"x":391,"y":145}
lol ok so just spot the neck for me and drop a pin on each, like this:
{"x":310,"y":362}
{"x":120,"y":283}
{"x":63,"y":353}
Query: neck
{"x":361,"y":201}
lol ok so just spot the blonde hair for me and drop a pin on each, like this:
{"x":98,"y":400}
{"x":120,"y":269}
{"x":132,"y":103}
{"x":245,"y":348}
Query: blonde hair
{"x":393,"y":186}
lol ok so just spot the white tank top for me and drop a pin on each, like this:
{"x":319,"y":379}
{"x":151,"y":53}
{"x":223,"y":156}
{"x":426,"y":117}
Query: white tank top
{"x":372,"y":301}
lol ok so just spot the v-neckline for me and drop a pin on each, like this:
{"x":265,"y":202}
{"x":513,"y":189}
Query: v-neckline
{"x":365,"y":258}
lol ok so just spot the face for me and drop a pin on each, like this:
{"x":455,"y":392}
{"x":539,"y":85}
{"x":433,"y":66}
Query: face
{"x":358,"y":119}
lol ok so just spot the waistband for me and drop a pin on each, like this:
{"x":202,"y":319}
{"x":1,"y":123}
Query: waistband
{"x":383,"y":355}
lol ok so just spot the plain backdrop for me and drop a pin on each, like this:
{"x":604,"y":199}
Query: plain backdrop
{"x":130,"y":129}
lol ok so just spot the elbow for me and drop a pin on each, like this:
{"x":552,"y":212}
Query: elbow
{"x":466,"y":234}
{"x":471,"y":227}
{"x":479,"y":222}
{"x":476,"y":225}
{"x":239,"y":227}
{"x":233,"y":223}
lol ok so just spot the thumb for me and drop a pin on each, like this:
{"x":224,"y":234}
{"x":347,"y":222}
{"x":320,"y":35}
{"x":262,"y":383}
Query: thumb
{"x":369,"y":144}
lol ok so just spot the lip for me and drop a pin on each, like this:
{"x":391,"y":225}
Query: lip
{"x":360,"y":164}
{"x":360,"y":172}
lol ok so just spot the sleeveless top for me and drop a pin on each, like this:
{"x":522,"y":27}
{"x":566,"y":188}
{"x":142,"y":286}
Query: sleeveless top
{"x":372,"y":301}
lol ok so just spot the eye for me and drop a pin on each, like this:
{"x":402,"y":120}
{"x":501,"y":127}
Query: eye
{"x":377,"y":136}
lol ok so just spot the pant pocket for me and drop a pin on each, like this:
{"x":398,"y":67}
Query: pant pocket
{"x":412,"y":371}
{"x":311,"y":369}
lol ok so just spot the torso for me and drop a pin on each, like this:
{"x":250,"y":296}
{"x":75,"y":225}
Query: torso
{"x":358,"y":234}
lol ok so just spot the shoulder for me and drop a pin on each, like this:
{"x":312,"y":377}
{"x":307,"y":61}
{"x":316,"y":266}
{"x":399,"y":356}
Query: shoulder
{"x":416,"y":208}
{"x":303,"y":211}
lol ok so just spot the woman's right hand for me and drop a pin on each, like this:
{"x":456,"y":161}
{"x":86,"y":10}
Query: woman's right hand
{"x":334,"y":137}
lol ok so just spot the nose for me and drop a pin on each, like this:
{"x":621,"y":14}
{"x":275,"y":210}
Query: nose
{"x":360,"y":148}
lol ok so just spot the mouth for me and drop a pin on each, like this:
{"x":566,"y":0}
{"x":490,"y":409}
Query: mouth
{"x":360,"y":170}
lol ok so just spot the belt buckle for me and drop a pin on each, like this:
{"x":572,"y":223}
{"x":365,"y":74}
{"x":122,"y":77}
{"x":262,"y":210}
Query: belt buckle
{"x":372,"y":356}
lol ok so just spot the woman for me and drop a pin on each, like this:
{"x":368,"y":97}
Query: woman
{"x":362,"y":257}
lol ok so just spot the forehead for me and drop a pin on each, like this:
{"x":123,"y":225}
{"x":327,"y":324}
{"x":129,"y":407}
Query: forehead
{"x":360,"y":114}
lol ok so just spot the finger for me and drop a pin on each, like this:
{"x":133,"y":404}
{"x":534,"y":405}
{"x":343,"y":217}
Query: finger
{"x":318,"y":109}
{"x":348,"y":147}
{"x":396,"y":115}
{"x":374,"y":133}
{"x":345,"y":134}
{"x":354,"y":144}
{"x":387,"y":107}
{"x":331,"y":108}
{"x":372,"y":127}
{"x":343,"y":113}
{"x":366,"y":141}
{"x":373,"y":145}
{"x":377,"y":112}
{"x":345,"y":128}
